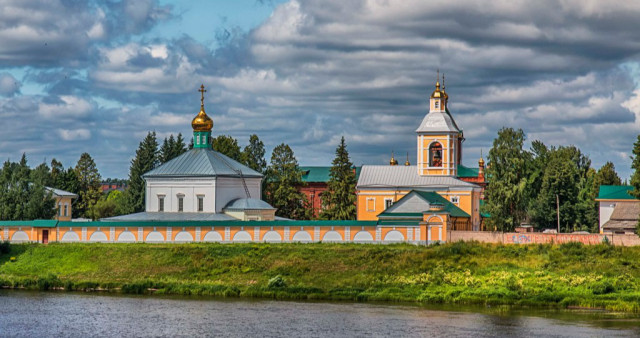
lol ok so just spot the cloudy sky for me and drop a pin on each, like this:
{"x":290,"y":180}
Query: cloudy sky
{"x":96,"y":76}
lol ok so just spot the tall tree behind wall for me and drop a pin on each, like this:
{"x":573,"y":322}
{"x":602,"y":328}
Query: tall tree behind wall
{"x":145,"y":160}
{"x":89,"y":186}
{"x":635,"y":177}
{"x":171,"y":148}
{"x":506,"y":195}
{"x":22,"y":192}
{"x":339,"y":200}
{"x":253,"y":154}
{"x":283,"y":176}
{"x":227,"y":145}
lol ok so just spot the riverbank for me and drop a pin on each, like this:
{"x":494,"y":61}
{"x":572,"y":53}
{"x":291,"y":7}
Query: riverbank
{"x":567,"y":275}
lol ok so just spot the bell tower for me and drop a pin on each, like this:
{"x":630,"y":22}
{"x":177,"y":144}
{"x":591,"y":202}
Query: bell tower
{"x":439,"y":138}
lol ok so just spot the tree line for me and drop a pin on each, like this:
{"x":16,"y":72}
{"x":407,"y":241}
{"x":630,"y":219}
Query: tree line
{"x":23,"y":195}
{"x":534,"y":185}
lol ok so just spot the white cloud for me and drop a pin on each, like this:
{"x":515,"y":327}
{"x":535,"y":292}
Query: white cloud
{"x":74,"y":134}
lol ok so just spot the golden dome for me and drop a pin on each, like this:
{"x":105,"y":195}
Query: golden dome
{"x":437,"y":93}
{"x":481,"y":162}
{"x":393,"y":160}
{"x":202,"y":122}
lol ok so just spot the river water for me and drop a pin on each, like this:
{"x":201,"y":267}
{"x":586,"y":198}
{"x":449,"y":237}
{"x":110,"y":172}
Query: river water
{"x":47,"y":314}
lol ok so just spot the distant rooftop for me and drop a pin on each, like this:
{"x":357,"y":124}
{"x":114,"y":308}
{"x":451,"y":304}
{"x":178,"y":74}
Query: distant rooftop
{"x":615,"y":192}
{"x":320,"y":174}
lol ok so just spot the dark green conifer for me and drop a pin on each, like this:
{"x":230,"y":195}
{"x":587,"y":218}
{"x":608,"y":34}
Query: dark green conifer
{"x":339,"y":200}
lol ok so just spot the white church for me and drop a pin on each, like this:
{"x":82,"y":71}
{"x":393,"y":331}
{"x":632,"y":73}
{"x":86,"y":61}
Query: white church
{"x":202,"y":185}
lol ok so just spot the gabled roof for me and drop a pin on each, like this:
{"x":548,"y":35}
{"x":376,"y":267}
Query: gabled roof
{"x":438,"y":121}
{"x":624,"y":216}
{"x":202,"y":162}
{"x":417,"y":210}
{"x":615,"y":192}
{"x":61,"y":193}
{"x":387,"y":176}
{"x":320,"y":174}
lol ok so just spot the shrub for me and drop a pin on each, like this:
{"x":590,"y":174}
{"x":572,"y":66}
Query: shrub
{"x":276,"y":282}
{"x":5,"y":247}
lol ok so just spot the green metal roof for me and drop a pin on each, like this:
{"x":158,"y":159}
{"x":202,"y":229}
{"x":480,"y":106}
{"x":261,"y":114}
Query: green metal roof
{"x":467,"y":172}
{"x":432,"y":198}
{"x":320,"y":174}
{"x":615,"y":192}
{"x":38,"y":223}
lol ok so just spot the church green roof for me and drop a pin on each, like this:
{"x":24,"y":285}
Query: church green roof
{"x":433,"y":198}
{"x":615,"y":192}
{"x":319,"y":174}
{"x":202,"y":162}
{"x":467,"y":172}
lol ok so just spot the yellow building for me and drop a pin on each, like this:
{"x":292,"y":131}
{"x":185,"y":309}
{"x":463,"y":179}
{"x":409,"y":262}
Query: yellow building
{"x":64,"y":203}
{"x":439,"y":155}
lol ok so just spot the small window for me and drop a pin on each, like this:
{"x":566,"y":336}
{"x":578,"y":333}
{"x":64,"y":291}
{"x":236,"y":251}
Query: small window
{"x":180,"y":203}
{"x":200,"y":203}
{"x":160,"y":203}
{"x":66,"y":210}
{"x":60,"y":209}
{"x":371,"y":204}
{"x":455,"y":199}
{"x":437,"y":104}
{"x":388,"y":202}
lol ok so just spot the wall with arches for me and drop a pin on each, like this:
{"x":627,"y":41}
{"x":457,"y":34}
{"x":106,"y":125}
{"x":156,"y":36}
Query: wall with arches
{"x":243,"y":232}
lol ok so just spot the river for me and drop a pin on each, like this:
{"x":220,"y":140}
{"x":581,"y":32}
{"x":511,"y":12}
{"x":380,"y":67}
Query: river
{"x":46,"y":314}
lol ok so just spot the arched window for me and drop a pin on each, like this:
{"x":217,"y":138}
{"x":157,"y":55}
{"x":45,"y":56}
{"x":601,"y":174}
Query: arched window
{"x":435,"y":155}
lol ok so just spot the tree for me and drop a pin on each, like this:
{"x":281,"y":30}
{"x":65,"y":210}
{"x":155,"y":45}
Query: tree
{"x":253,"y":154}
{"x":146,"y":160}
{"x":568,"y":179}
{"x":635,"y":177}
{"x":21,"y":197}
{"x":171,"y":148}
{"x":339,"y":200}
{"x":607,"y":175}
{"x":283,"y":176}
{"x":506,"y":195}
{"x":109,"y":205}
{"x":89,"y":185}
{"x":227,"y":145}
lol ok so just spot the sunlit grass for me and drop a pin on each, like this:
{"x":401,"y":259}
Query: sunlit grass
{"x":600,"y":276}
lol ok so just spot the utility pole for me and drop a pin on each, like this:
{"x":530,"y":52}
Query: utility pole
{"x":558,"y":211}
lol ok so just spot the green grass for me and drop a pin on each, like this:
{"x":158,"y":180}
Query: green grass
{"x":600,"y":276}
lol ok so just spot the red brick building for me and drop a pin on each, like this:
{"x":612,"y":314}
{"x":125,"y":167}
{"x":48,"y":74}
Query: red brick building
{"x":315,"y":179}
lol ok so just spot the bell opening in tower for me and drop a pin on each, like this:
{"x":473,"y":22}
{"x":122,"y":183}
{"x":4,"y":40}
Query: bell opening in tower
{"x":435,"y":155}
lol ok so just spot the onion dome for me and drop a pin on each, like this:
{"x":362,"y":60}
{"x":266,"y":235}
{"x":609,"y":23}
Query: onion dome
{"x":393,"y":160}
{"x":407,"y":163}
{"x":202,"y":122}
{"x":481,"y":162}
{"x":437,"y":93}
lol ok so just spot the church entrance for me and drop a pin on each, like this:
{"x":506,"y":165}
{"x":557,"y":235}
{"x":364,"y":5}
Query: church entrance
{"x":45,"y":236}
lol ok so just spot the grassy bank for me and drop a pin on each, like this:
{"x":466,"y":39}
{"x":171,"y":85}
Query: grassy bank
{"x":565,"y":275}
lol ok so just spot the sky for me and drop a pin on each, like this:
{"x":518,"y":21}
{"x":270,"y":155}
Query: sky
{"x":96,"y":76}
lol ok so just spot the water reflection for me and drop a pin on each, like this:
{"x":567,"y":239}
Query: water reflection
{"x":80,"y":315}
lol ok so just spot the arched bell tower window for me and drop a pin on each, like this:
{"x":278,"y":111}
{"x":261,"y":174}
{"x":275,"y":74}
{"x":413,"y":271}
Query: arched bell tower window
{"x":435,"y":155}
